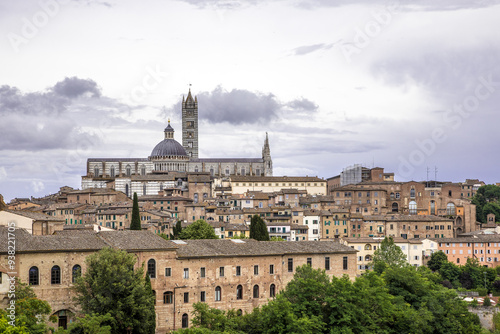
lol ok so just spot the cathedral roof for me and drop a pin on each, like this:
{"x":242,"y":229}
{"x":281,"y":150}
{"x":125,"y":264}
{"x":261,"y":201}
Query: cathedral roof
{"x":169,"y":128}
{"x":168,"y":147}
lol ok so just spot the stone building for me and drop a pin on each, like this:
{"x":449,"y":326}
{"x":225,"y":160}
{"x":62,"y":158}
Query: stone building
{"x":35,"y":223}
{"x":225,"y":274}
{"x":170,"y":162}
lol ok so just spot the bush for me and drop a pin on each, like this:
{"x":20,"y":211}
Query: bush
{"x":447,"y":284}
{"x":482,"y":291}
{"x":474,"y":303}
{"x":487,"y":302}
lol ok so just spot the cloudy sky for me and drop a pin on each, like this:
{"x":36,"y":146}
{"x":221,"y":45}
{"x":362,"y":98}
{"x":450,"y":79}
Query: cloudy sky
{"x":401,"y":85}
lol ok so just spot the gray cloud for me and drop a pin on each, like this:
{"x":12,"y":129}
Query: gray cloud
{"x":75,"y":87}
{"x":309,"y":4}
{"x":306,"y":49}
{"x":240,"y":106}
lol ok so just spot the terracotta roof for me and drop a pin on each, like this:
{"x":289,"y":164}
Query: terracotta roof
{"x":250,"y":247}
{"x":34,"y":215}
{"x":379,"y":240}
{"x":240,"y":178}
{"x":136,"y":240}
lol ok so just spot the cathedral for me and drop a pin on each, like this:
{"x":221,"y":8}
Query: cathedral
{"x":170,"y":162}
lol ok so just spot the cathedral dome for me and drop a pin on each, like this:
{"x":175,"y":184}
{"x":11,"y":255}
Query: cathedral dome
{"x":168,"y":147}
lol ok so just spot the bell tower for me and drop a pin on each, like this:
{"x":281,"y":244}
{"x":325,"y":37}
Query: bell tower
{"x":190,"y":125}
{"x":266,"y":156}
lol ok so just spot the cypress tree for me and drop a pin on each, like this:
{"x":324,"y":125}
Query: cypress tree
{"x":136,"y":218}
{"x":258,"y":229}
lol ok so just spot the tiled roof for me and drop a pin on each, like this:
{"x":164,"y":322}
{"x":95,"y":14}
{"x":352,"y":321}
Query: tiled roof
{"x":240,"y":178}
{"x":249,"y":247}
{"x":136,"y":240}
{"x":34,"y":215}
{"x":379,"y":240}
{"x":82,"y":240}
{"x":408,"y":218}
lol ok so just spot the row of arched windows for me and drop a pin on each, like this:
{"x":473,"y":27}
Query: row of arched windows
{"x":55,"y":275}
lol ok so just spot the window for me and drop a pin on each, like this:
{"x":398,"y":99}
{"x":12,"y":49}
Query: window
{"x":309,"y":262}
{"x":413,"y":207}
{"x":96,"y":171}
{"x":450,"y":209}
{"x":255,"y":291}
{"x":202,"y":272}
{"x":243,"y":172}
{"x":55,"y":275}
{"x":221,"y":272}
{"x":202,"y":296}
{"x":327,"y":263}
{"x":168,"y":272}
{"x":345,"y":267}
{"x":239,"y":292}
{"x":185,"y":320}
{"x":255,"y":270}
{"x":112,"y":171}
{"x":290,"y":265}
{"x":412,"y":193}
{"x":152,"y":268}
{"x":271,"y":269}
{"x":76,"y":272}
{"x":186,"y":297}
{"x":218,"y":294}
{"x":238,"y":271}
{"x":168,"y":297}
{"x":272,"y":290}
{"x":33,"y":276}
{"x":186,"y":273}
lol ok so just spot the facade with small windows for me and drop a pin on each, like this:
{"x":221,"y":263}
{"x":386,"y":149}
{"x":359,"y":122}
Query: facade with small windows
{"x":312,"y":185}
{"x":484,"y":248}
{"x":225,"y":274}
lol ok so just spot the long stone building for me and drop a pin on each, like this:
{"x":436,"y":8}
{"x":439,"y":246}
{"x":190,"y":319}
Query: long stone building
{"x":169,"y":162}
{"x":226,"y":274}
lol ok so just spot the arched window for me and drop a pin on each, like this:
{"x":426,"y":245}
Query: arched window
{"x":128,"y":170}
{"x":243,"y":171}
{"x":96,"y":171}
{"x":450,"y":209}
{"x":433,"y":208}
{"x":168,"y":297}
{"x":112,"y":171}
{"x":412,"y":193}
{"x":144,"y":189}
{"x":227,"y":171}
{"x":375,"y":210}
{"x":33,"y":276}
{"x":395,"y":207}
{"x":143,"y":170}
{"x":185,"y":320}
{"x":413,"y":207}
{"x":218,"y":294}
{"x":195,"y":197}
{"x":255,"y":291}
{"x":239,"y":313}
{"x":152,"y":268}
{"x":76,"y":272}
{"x":239,"y":292}
{"x":196,"y":169}
{"x":368,"y":258}
{"x":272,"y":290}
{"x":55,"y":275}
{"x":368,"y":247}
{"x":126,"y":190}
{"x":211,"y":171}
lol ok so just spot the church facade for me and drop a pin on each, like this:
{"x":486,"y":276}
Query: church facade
{"x":170,"y":162}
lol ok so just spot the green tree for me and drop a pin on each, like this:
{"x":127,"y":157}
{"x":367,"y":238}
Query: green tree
{"x":258,"y":229}
{"x":135,"y":224}
{"x":200,"y":229}
{"x":276,"y":239}
{"x":164,"y":236}
{"x":111,"y":285}
{"x":388,"y":255}
{"x":6,"y":328}
{"x":32,"y":313}
{"x":89,"y":324}
{"x":487,"y":194}
{"x":436,"y":261}
{"x":177,"y":230}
